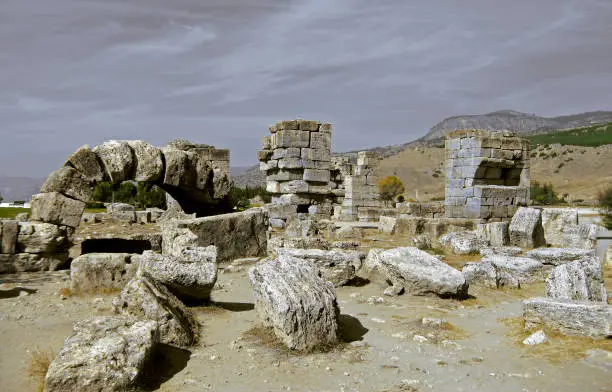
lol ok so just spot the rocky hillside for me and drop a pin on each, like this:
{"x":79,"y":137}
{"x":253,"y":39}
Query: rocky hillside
{"x":515,"y":121}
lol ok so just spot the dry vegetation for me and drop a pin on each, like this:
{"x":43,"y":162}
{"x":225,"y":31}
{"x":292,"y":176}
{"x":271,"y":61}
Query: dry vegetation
{"x":40,"y":359}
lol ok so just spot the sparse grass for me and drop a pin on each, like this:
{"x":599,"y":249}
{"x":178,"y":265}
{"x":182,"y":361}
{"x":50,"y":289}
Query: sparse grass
{"x":11,"y":212}
{"x":436,"y":333}
{"x":209,"y":308}
{"x":560,"y":348}
{"x":65,"y":291}
{"x":592,"y":136}
{"x":40,"y":359}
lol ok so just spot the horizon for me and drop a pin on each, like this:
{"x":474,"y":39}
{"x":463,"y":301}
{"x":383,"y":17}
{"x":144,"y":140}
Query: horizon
{"x":220,"y":73}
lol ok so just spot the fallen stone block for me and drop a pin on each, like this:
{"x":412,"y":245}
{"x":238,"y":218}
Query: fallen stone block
{"x":593,"y":319}
{"x":487,"y":274}
{"x":143,"y":216}
{"x":190,"y":277}
{"x":292,"y":297}
{"x":69,"y":182}
{"x":501,"y":251}
{"x":525,"y":229}
{"x":462,"y":243}
{"x":37,"y":237}
{"x":103,"y":354}
{"x":523,"y":269}
{"x":144,"y":298}
{"x":494,"y":233}
{"x":558,"y":256}
{"x":554,"y":222}
{"x":9,"y":230}
{"x":336,"y":266}
{"x":387,"y":224}
{"x":58,"y":209}
{"x":578,"y":280}
{"x":419,"y":273}
{"x":94,"y":272}
{"x":31,"y":262}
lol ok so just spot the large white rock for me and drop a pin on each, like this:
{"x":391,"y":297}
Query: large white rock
{"x":35,"y":237}
{"x":494,"y":233}
{"x":578,"y":280}
{"x":93,"y":272}
{"x":419,"y":273}
{"x":144,"y":298}
{"x":58,"y":209}
{"x":586,"y":318}
{"x":103,"y":354}
{"x":558,"y":256}
{"x":554,"y":222}
{"x":523,"y":269}
{"x":462,"y":242}
{"x":525,"y":229}
{"x":292,"y":298}
{"x":337,"y":266}
{"x":486,"y":274}
{"x":536,"y":338}
{"x":190,"y":276}
{"x":387,"y":224}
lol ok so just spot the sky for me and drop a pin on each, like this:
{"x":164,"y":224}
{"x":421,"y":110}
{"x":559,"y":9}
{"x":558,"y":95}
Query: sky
{"x":219,"y":72}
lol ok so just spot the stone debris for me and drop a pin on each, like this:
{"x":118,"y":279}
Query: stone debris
{"x":501,"y":251}
{"x":336,"y":266}
{"x":122,"y":212}
{"x":53,"y":207}
{"x":103,"y":354}
{"x":523,"y":269}
{"x":93,"y":272}
{"x":536,"y":338}
{"x":292,"y":298}
{"x":494,"y":234}
{"x":462,"y":243}
{"x":487,"y":274}
{"x":387,"y":224}
{"x":419,"y":273}
{"x":526,"y":228}
{"x":578,"y":280}
{"x":189,"y":277}
{"x":554,"y":223}
{"x":593,"y":319}
{"x":558,"y":256}
{"x":144,"y":298}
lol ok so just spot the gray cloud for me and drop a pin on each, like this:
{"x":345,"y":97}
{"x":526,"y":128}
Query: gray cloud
{"x":220,"y":71}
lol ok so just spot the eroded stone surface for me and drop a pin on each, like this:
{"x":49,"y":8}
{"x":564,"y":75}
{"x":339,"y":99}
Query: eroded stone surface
{"x":93,"y":272}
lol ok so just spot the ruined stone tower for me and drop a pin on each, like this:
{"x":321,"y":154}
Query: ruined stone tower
{"x":487,"y":174}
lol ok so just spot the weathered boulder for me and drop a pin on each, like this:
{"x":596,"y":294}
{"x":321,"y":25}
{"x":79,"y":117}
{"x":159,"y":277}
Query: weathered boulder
{"x":387,"y":224}
{"x":31,"y":262}
{"x":144,"y":298}
{"x":462,"y":243}
{"x":372,"y":261}
{"x":9,"y":230}
{"x":293,"y":299}
{"x":122,"y":212}
{"x":88,"y":164}
{"x":554,"y":222}
{"x":180,"y":170}
{"x":502,"y":251}
{"x":191,"y":278}
{"x":93,"y":272}
{"x":536,"y":338}
{"x":524,"y":269}
{"x":117,"y":159}
{"x":586,"y":318}
{"x":487,"y":274}
{"x":69,"y":182}
{"x":494,"y":233}
{"x":525,"y":229}
{"x":149,"y":161}
{"x":56,"y":208}
{"x":578,"y":280}
{"x":420,"y":273}
{"x":236,"y":235}
{"x":35,"y":237}
{"x":582,"y":236}
{"x":422,"y":241}
{"x":558,"y":256}
{"x":103,"y":354}
{"x":336,"y":266}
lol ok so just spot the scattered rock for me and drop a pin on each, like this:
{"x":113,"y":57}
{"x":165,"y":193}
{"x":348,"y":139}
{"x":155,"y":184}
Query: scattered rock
{"x":578,"y":280}
{"x":494,"y":233}
{"x":93,"y":272}
{"x":103,"y":354}
{"x":292,"y":297}
{"x":524,"y":269}
{"x":420,"y":273}
{"x":462,"y":243}
{"x":536,"y":338}
{"x":487,"y":274}
{"x":336,"y":266}
{"x":35,"y":237}
{"x":554,"y":223}
{"x":501,"y":251}
{"x":53,"y":207}
{"x":525,"y":229}
{"x":558,"y":256}
{"x":387,"y":224}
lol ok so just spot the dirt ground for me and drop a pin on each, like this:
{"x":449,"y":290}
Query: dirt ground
{"x":387,"y":348}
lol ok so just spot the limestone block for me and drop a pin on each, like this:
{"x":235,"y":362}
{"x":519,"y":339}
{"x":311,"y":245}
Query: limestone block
{"x":93,"y":272}
{"x":319,"y":189}
{"x":264,"y":155}
{"x":291,"y":163}
{"x":273,"y":187}
{"x":69,"y":182}
{"x":180,"y":171}
{"x":526,"y":228}
{"x":315,"y":154}
{"x":31,"y":262}
{"x":88,"y":164}
{"x":296,"y":186}
{"x":313,"y":175}
{"x":325,"y":128}
{"x":285,"y":175}
{"x":320,"y":140}
{"x":37,"y":237}
{"x":143,"y":216}
{"x":292,"y":138}
{"x":149,"y":163}
{"x":554,"y":221}
{"x":266,"y":143}
{"x":291,"y":152}
{"x":56,"y":208}
{"x":307,"y":125}
{"x":9,"y":230}
{"x":288,"y":125}
{"x":118,"y":160}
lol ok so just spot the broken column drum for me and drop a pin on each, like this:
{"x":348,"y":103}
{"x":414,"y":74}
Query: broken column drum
{"x":487,"y":174}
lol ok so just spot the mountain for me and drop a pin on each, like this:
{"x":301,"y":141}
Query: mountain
{"x":19,"y":188}
{"x":524,"y":123}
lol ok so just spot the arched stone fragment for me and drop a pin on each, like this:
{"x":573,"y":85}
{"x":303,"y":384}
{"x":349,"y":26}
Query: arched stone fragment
{"x":69,"y":182}
{"x":88,"y":164}
{"x":149,"y":161}
{"x":53,"y":207}
{"x":180,"y":172}
{"x":118,"y":160}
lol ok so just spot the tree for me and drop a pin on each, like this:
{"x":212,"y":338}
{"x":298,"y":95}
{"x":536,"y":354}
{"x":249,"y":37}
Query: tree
{"x":544,"y":194}
{"x":1,"y":198}
{"x":605,"y":205}
{"x":103,"y":192}
{"x":390,"y":187}
{"x":149,"y":195}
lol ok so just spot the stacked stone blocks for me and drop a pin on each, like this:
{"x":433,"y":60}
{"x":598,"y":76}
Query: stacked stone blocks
{"x":362,"y":193}
{"x":487,"y":174}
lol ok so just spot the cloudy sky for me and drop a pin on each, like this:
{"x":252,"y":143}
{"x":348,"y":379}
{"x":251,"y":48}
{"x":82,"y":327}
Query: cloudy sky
{"x":76,"y":72}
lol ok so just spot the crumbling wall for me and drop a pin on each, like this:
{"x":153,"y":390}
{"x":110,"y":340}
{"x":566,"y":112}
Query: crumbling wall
{"x":362,"y":193}
{"x":487,"y":174}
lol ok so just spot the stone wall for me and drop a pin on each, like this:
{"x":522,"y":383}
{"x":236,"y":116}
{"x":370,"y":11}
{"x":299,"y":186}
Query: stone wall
{"x":487,"y":174}
{"x":362,"y":193}
{"x":296,"y":159}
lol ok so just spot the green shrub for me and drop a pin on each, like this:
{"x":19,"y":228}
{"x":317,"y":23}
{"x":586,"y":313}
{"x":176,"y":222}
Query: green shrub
{"x":544,"y":194}
{"x":605,"y":205}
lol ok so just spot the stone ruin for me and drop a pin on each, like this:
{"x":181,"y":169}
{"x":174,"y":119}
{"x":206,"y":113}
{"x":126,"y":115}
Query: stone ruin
{"x":487,"y":174}
{"x":195,"y":175}
{"x":305,"y":179}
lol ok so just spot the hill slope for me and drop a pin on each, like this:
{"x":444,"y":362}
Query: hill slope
{"x":515,"y":121}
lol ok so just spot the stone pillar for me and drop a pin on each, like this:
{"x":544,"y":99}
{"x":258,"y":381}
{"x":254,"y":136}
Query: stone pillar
{"x":362,"y":192}
{"x":487,"y":174}
{"x":296,"y":159}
